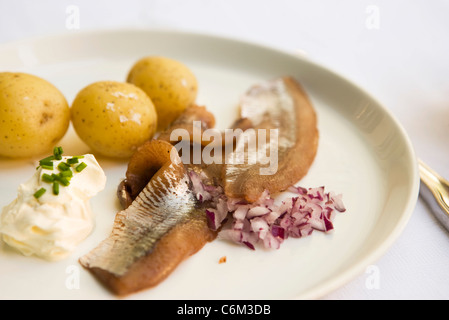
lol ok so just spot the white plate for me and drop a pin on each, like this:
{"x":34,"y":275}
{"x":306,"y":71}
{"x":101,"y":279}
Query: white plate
{"x":363,"y":153}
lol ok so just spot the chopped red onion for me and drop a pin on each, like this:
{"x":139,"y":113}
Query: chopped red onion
{"x":257,"y":211}
{"x":199,"y":188}
{"x":264,"y":222}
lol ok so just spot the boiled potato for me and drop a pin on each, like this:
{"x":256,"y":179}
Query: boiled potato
{"x":34,"y":115}
{"x":170,"y":84}
{"x":113,"y":118}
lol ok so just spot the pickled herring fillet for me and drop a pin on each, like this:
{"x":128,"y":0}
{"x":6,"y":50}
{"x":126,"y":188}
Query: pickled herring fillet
{"x":163,"y":221}
{"x":192,"y":115}
{"x":283,"y":105}
{"x":164,"y":225}
{"x":140,"y":169}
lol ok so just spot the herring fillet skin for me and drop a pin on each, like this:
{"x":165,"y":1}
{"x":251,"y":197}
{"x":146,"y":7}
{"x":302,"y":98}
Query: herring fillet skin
{"x":162,"y":227}
{"x":280,"y":104}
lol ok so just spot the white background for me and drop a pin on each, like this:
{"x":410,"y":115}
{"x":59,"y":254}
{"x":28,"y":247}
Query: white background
{"x":397,"y":50}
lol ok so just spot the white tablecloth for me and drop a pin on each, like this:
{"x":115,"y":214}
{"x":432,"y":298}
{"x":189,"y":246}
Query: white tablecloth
{"x":397,"y":50}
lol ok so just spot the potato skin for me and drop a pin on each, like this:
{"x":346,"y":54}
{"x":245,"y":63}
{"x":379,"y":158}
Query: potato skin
{"x":170,"y":84}
{"x":34,"y":115}
{"x":113,"y":118}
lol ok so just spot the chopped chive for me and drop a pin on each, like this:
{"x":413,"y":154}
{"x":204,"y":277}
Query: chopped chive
{"x":49,"y":158}
{"x":46,"y":163}
{"x":64,"y":176}
{"x":39,"y":193}
{"x":48,"y":178}
{"x":55,"y":188}
{"x":48,"y":167}
{"x":64,"y":181}
{"x":72,"y":160}
{"x":80,"y":167}
{"x":66,"y":173}
{"x":63,"y":166}
{"x":57,"y":152}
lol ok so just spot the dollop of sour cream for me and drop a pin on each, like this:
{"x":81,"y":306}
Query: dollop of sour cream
{"x":51,"y":225}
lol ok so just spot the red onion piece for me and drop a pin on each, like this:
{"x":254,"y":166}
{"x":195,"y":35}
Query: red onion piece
{"x":264,"y":222}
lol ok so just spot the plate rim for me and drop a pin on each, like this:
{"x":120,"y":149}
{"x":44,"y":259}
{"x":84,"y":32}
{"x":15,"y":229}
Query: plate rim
{"x":344,"y":277}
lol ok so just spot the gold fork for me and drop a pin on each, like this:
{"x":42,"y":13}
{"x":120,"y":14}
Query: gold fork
{"x":434,"y":190}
